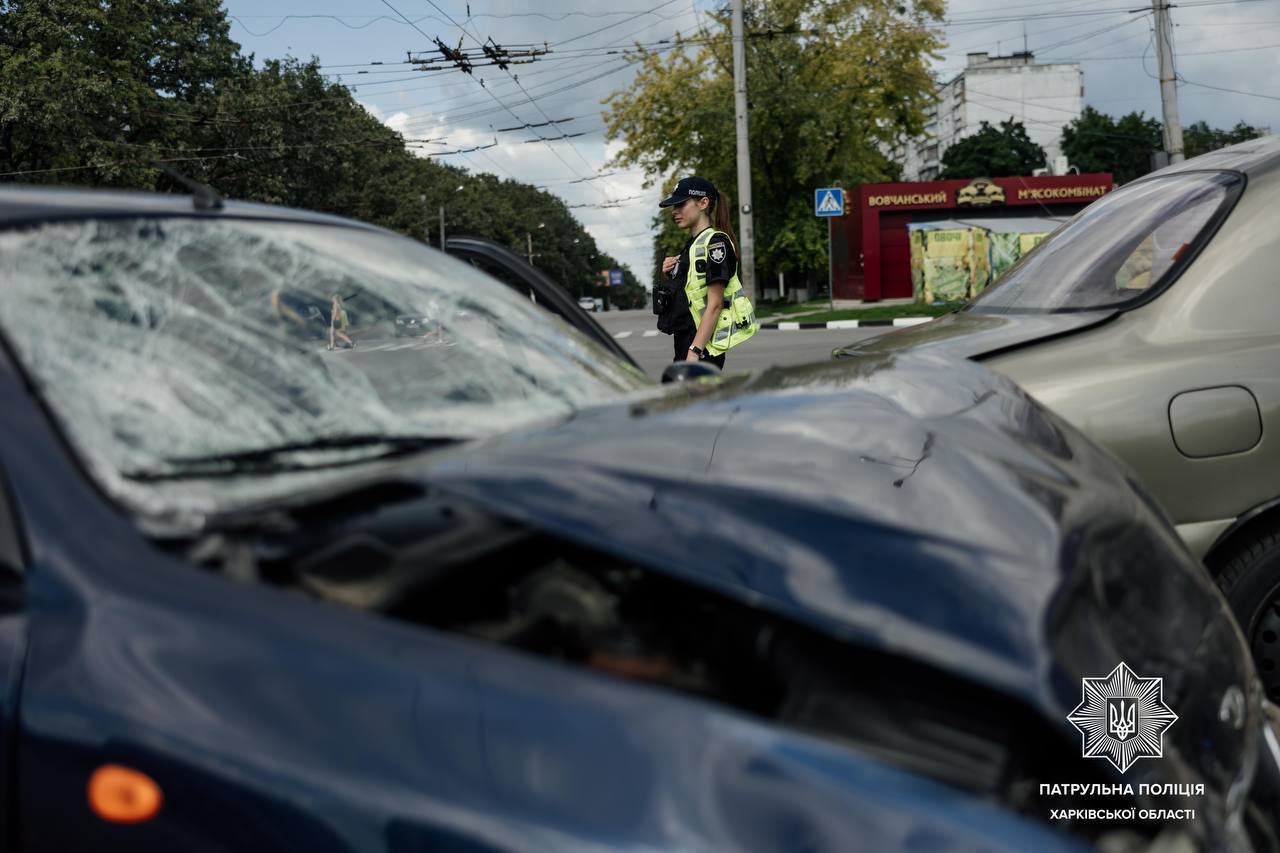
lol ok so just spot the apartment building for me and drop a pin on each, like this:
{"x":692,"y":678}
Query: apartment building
{"x":1043,"y":96}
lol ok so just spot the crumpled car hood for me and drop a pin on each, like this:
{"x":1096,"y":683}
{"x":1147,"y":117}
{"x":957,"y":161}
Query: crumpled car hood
{"x":944,"y":520}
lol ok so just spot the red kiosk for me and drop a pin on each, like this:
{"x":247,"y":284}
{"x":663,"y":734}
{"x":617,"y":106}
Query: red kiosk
{"x":870,"y":245}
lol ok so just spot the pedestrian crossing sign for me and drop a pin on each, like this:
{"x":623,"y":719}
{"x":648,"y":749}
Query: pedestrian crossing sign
{"x":828,"y":201}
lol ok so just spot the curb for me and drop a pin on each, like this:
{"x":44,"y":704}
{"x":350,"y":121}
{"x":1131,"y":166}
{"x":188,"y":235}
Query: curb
{"x":847,"y":324}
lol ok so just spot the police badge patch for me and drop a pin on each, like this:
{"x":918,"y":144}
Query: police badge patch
{"x":716,"y":250}
{"x":1122,"y":717}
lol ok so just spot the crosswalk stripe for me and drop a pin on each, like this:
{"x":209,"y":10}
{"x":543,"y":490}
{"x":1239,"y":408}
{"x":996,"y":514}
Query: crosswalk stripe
{"x":621,"y":335}
{"x":652,"y":333}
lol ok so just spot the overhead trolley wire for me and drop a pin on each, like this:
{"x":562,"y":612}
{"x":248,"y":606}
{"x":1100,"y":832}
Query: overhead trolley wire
{"x":491,"y":94}
{"x":652,"y":11}
{"x":529,"y":99}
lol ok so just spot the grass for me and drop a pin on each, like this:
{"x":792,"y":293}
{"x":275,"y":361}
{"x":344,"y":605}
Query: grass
{"x":876,"y":312}
{"x":775,"y":309}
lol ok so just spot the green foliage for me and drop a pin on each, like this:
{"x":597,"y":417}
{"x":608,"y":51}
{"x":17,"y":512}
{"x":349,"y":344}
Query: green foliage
{"x":993,"y":153}
{"x":669,"y":241}
{"x":630,"y":295}
{"x":101,"y":91}
{"x":821,"y":108}
{"x":1096,"y":142}
{"x":1199,"y":138}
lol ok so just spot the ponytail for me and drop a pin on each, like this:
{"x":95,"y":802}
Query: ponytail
{"x":720,"y":219}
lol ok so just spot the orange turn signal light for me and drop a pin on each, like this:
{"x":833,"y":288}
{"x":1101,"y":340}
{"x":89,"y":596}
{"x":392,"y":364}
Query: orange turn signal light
{"x":123,"y":795}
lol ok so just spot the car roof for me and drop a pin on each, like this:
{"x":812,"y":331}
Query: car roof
{"x":25,"y":203}
{"x":1253,"y":157}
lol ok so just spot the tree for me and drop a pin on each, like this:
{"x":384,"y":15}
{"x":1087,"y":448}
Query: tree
{"x":96,"y":93}
{"x":631,"y":294}
{"x":1199,"y":138}
{"x":1096,"y":142}
{"x":832,"y":83}
{"x":84,"y":82}
{"x":993,"y":153}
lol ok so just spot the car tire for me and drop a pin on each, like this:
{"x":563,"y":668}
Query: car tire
{"x":1249,"y":577}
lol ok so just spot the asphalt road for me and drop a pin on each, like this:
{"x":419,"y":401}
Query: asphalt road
{"x":653,"y":351}
{"x":635,"y":331}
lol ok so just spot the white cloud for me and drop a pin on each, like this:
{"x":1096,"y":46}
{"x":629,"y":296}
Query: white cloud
{"x":1209,"y":44}
{"x":454,"y":106}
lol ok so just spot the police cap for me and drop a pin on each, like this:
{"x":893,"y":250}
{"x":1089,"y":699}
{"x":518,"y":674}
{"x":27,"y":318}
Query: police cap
{"x":690,"y":187}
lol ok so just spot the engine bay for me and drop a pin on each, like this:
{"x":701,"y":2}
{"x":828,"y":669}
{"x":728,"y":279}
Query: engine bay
{"x":434,"y":561}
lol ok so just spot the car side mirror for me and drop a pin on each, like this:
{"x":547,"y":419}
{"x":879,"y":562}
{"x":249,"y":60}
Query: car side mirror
{"x":691,"y":371}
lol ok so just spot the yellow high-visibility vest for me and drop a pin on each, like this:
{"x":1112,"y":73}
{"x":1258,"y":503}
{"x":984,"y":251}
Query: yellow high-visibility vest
{"x":737,"y":320}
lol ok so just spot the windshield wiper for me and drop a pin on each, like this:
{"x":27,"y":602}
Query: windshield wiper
{"x":265,"y":460}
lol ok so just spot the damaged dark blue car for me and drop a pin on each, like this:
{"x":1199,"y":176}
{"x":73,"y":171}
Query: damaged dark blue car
{"x":497,"y":591}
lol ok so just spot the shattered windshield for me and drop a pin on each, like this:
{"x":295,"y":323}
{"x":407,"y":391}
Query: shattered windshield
{"x":162,"y":341}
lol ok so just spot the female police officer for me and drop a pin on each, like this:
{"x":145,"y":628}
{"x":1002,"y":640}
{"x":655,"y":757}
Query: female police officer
{"x":703,"y":305}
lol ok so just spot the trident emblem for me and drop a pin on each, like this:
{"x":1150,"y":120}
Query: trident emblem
{"x":1120,"y":720}
{"x":1108,"y":719}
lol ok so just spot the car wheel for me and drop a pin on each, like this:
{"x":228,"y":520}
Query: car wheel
{"x":1250,"y":580}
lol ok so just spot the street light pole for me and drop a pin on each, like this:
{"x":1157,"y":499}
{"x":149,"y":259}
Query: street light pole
{"x":460,"y":188}
{"x":528,"y":239}
{"x":746,"y":228}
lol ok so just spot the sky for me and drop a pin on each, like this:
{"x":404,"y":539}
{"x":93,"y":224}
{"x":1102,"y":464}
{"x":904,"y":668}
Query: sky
{"x":1228,"y":54}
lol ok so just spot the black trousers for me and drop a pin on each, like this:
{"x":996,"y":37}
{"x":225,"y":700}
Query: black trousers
{"x":684,"y":340}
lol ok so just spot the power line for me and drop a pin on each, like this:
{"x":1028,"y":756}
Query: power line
{"x":433,"y":102}
{"x":1233,"y":24}
{"x":971,"y":91}
{"x":458,"y":117}
{"x":1225,"y":89}
{"x":530,"y":99}
{"x":623,"y":64}
{"x":106,"y":163}
{"x":282,"y":147}
{"x":989,"y":41}
{"x":577,"y":180}
{"x":481,"y":82}
{"x":1091,"y":34}
{"x":372,"y":19}
{"x":493,"y":144}
{"x":539,"y":124}
{"x":1183,"y":53}
{"x":654,"y":10}
{"x":610,"y":202}
{"x":1063,"y":125}
{"x":1088,"y":56}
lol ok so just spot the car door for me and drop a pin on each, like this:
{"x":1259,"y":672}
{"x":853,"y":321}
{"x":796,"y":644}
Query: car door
{"x":13,"y":633}
{"x":516,"y":273}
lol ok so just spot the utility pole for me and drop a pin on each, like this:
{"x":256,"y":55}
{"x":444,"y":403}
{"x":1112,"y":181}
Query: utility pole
{"x":442,"y":228}
{"x":746,"y":229}
{"x":528,"y":237}
{"x":1168,"y":86}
